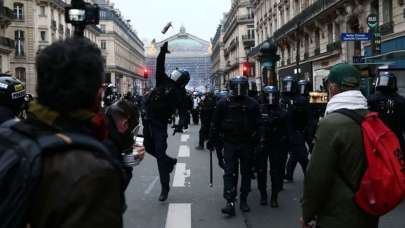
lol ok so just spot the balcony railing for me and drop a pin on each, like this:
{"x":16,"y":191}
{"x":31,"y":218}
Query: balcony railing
{"x":387,"y":28}
{"x":7,"y":42}
{"x":6,"y":14}
{"x":308,"y":13}
{"x":334,"y":46}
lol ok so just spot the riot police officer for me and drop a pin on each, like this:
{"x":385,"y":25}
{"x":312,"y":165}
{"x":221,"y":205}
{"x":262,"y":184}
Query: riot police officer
{"x":206,"y":109}
{"x":237,"y":119}
{"x":296,"y":107}
{"x":273,"y":145}
{"x":159,"y":106}
{"x":12,"y":97}
{"x":219,"y":141}
{"x":389,"y":104}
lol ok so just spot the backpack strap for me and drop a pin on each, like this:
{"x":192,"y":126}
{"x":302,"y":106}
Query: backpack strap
{"x":359,"y":120}
{"x":351,"y":114}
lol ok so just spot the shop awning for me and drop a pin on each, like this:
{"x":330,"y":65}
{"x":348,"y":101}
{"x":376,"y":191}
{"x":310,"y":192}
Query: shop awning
{"x":389,"y":56}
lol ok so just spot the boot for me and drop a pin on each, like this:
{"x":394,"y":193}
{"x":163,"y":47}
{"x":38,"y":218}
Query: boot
{"x":274,"y":201}
{"x":199,"y":147}
{"x":263,"y":198}
{"x":229,"y":208}
{"x":244,"y":207}
{"x":164,"y":194}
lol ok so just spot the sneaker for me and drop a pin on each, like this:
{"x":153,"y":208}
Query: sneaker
{"x":244,"y":206}
{"x":199,"y":148}
{"x":274,"y":201}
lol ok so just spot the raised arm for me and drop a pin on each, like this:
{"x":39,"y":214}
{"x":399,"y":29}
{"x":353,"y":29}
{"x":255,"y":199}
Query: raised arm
{"x":160,"y":65}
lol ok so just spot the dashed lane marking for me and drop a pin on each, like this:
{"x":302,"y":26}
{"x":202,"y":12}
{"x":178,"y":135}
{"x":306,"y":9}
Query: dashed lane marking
{"x":151,"y":185}
{"x":180,"y":175}
{"x":179,"y":216}
{"x":184,"y":138}
{"x":184,"y":151}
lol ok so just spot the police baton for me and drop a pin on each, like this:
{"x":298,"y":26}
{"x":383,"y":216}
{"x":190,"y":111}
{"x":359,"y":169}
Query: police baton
{"x":211,"y":170}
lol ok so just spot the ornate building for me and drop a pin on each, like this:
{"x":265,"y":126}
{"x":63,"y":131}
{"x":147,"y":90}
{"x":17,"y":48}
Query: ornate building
{"x":308,"y":35}
{"x":187,"y":52}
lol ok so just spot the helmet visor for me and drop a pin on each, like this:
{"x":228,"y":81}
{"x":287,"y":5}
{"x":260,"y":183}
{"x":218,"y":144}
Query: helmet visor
{"x":288,"y":87}
{"x":383,"y":81}
{"x":175,"y":75}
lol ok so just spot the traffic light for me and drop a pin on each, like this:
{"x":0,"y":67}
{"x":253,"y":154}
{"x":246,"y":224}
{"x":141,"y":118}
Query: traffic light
{"x":246,"y":69}
{"x":145,"y":73}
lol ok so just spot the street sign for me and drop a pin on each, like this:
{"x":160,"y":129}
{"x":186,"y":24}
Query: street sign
{"x":372,"y":20}
{"x":356,"y":36}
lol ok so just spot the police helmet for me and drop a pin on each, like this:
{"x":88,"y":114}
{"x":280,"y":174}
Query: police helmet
{"x":180,"y":77}
{"x":12,"y":93}
{"x":290,"y":85}
{"x":386,"y":82}
{"x":239,"y":86}
{"x":304,"y":87}
{"x":271,"y":95}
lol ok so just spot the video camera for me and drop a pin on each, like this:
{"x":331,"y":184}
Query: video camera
{"x":80,"y":14}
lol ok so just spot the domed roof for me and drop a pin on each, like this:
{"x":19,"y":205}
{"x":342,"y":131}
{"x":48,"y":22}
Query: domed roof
{"x":186,"y":44}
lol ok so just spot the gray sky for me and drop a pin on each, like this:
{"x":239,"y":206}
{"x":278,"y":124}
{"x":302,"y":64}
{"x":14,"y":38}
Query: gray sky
{"x":148,"y":17}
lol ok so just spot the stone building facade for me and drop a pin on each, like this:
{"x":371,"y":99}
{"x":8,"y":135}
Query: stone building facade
{"x":125,"y":51}
{"x":6,"y":42}
{"x":308,"y":33}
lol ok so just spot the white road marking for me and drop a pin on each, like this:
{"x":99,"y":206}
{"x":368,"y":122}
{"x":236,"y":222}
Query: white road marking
{"x":151,"y":185}
{"x":179,"y":216}
{"x":180,"y":175}
{"x":184,"y":151}
{"x":184,"y":138}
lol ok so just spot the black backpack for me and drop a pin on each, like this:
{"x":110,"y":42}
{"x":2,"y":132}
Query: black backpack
{"x":21,"y":152}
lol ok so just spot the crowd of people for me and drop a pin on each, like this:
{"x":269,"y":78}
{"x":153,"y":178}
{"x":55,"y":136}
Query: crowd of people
{"x":67,"y":156}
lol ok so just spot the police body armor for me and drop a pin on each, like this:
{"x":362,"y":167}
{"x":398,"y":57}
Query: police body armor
{"x":273,"y":124}
{"x":236,"y":121}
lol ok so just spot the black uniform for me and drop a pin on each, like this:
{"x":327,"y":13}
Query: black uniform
{"x":297,"y":108}
{"x":159,"y":106}
{"x":237,"y":118}
{"x":273,"y":149}
{"x":391,"y":107}
{"x":206,"y":108}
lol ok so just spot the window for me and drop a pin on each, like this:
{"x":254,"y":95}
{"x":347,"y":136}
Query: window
{"x":19,"y":43}
{"x":20,"y":74}
{"x":337,"y":32}
{"x":330,"y":33}
{"x":387,"y":11}
{"x":103,"y":44}
{"x":317,"y":39}
{"x":102,"y":27}
{"x":42,"y":11}
{"x":19,"y":11}
{"x":43,"y":35}
{"x":67,"y":33}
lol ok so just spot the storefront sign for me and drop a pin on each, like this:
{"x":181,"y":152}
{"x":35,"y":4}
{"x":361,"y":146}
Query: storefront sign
{"x":372,"y":21}
{"x":356,"y":36}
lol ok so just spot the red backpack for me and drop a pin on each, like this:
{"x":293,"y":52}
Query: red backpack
{"x":382,"y":187}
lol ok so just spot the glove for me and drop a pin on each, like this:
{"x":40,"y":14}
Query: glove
{"x":210,"y":145}
{"x":165,"y":48}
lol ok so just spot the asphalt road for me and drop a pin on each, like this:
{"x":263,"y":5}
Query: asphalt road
{"x":192,"y":203}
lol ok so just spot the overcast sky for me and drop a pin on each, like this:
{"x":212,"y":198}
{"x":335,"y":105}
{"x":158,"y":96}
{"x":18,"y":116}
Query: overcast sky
{"x":148,"y":17}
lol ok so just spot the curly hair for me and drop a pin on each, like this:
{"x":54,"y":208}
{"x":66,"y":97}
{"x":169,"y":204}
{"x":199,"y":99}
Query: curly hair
{"x":69,"y":73}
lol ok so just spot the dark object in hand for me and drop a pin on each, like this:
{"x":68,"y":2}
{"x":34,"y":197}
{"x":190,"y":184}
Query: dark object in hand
{"x":165,"y":48}
{"x":177,"y":129}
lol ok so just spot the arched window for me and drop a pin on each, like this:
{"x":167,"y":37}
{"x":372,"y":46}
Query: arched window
{"x":19,"y":43}
{"x":20,"y":74}
{"x":19,"y":11}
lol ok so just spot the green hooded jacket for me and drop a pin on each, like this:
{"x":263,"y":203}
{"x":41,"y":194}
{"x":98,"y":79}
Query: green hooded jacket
{"x":338,"y":153}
